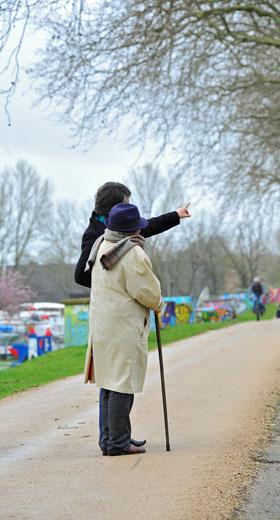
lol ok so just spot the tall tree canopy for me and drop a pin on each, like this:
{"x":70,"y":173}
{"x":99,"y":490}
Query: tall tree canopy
{"x":202,"y":76}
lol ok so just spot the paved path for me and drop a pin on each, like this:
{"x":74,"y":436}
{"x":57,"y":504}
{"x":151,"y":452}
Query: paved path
{"x":220,"y":389}
{"x":263,"y":501}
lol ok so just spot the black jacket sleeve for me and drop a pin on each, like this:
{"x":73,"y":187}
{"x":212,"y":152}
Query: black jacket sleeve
{"x":160,"y":224}
{"x":89,"y":237}
{"x":95,"y":229}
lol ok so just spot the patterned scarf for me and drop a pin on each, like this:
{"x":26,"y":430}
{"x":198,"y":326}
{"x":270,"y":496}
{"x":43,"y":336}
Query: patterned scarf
{"x":122,"y":244}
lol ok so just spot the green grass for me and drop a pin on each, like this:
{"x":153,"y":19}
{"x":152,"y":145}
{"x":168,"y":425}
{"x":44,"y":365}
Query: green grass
{"x":183,"y":331}
{"x":70,"y":361}
{"x":44,"y":369}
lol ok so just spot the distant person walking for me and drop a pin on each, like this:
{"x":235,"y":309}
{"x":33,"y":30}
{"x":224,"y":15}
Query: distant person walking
{"x":124,"y":289}
{"x":257,"y":287}
{"x":258,"y":293}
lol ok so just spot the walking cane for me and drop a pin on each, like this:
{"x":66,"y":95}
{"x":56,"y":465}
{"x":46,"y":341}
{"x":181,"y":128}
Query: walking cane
{"x":162,"y":382}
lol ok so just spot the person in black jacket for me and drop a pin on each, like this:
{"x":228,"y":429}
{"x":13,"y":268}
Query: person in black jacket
{"x":107,"y":196}
{"x":258,"y":291}
{"x":257,"y":287}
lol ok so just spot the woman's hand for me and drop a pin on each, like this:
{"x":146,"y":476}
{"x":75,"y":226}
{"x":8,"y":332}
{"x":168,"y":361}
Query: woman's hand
{"x":159,"y":307}
{"x":184,"y":212}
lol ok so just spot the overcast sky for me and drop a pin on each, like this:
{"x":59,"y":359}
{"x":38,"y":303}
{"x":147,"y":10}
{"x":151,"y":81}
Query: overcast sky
{"x":75,"y":174}
{"x":31,"y":136}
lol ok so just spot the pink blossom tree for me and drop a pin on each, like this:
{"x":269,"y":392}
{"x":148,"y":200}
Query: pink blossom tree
{"x":13,"y":291}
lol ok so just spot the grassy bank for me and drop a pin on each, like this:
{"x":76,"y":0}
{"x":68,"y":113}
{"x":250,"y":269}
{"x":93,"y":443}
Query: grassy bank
{"x":70,"y":361}
{"x":184,"y":331}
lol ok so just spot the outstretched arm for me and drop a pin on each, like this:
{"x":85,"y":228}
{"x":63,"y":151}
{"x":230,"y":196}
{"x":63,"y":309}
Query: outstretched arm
{"x":164,"y":222}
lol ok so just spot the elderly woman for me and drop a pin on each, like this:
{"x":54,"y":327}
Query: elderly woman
{"x":124,"y":289}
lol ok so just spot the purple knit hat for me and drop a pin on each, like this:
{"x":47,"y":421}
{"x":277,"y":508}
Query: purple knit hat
{"x":125,"y":218}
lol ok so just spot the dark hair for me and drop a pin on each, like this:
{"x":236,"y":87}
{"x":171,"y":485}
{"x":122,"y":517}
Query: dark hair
{"x":108,"y":195}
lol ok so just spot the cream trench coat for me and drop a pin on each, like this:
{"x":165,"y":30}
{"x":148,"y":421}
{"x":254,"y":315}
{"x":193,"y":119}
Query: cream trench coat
{"x":120,"y":300}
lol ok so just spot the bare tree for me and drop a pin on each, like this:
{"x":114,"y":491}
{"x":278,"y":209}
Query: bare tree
{"x":193,"y":263}
{"x":25,"y":207}
{"x":62,"y":236}
{"x":248,"y":245}
{"x":202,"y":75}
{"x":200,"y":261}
{"x":154,"y":191}
{"x":17,"y":19}
{"x":147,"y":185}
{"x":6,"y":209}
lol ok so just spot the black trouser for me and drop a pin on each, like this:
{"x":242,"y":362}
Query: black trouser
{"x":114,"y":421}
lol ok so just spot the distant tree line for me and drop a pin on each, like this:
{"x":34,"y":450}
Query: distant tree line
{"x":222,"y":249}
{"x":40,"y":237}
